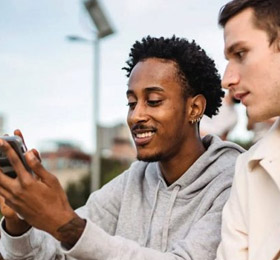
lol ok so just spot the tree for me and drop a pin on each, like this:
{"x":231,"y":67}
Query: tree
{"x":79,"y":192}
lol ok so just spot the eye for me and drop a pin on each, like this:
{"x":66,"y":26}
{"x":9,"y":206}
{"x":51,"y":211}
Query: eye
{"x":154,"y":103}
{"x":131,"y":105}
{"x":240,"y":54}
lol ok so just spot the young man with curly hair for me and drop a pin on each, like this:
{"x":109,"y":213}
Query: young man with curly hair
{"x":168,"y":204}
{"x":251,"y":218}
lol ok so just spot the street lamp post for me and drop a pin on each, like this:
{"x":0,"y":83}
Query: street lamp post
{"x":103,"y":29}
{"x":95,"y":179}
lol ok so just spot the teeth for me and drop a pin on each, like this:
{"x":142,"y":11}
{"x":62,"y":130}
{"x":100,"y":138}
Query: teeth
{"x":144,"y":135}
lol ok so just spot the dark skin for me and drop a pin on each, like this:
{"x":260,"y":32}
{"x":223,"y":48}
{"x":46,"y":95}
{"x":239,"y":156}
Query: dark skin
{"x":34,"y":198}
{"x":174,"y":169}
{"x":155,"y":91}
{"x":156,"y":103}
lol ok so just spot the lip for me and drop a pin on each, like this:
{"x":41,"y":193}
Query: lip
{"x":146,"y":137}
{"x":241,"y":96}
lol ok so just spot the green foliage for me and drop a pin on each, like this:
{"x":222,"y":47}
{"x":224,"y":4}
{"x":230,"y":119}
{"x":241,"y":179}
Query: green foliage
{"x":245,"y":144}
{"x":79,"y":192}
{"x":111,"y":168}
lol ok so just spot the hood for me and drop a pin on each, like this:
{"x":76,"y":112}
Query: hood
{"x":217,"y":159}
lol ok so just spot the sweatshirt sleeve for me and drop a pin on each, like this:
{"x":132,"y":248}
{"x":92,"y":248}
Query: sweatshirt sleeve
{"x":98,"y":240}
{"x":234,"y":244}
{"x":200,"y":243}
{"x":95,"y":243}
{"x":34,"y":244}
{"x":102,"y":208}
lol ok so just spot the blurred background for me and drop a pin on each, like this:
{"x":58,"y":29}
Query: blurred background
{"x":48,"y":70}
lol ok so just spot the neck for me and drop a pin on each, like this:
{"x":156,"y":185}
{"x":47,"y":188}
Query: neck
{"x":175,"y":167}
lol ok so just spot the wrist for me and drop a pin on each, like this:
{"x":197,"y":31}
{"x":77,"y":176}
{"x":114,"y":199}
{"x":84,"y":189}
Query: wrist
{"x":15,"y":226}
{"x":70,"y":233}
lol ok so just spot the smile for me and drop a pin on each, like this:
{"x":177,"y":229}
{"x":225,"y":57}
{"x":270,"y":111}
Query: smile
{"x":143,"y":138}
{"x":144,"y":135}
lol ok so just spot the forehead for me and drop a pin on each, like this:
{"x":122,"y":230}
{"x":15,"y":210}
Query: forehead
{"x":154,"y":72}
{"x":241,"y":29}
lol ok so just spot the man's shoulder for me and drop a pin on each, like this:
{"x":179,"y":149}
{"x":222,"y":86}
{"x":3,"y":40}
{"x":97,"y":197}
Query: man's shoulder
{"x":217,"y":146}
{"x":247,"y":161}
{"x":266,"y":147}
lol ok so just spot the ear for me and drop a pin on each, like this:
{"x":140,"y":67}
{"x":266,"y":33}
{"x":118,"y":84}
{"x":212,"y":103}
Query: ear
{"x":196,"y":108}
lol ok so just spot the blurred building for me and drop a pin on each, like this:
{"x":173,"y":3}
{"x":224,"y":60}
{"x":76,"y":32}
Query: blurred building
{"x":116,"y":142}
{"x":70,"y":163}
{"x":67,"y":162}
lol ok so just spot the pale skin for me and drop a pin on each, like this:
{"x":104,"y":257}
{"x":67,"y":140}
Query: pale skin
{"x":252,"y":71}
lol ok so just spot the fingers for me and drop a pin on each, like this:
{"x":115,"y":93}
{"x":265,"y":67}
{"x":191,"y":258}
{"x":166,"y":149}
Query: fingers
{"x":14,"y":160}
{"x":19,"y":133}
{"x":6,"y":210}
{"x":36,"y":166}
{"x":3,"y":205}
{"x":24,"y":177}
{"x":37,"y":154}
{"x":6,"y":184}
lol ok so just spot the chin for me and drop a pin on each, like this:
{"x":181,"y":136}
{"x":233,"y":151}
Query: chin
{"x":149,"y":158}
{"x":258,"y":117}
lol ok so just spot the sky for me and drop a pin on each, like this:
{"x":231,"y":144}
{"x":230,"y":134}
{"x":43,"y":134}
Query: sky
{"x":46,"y":81}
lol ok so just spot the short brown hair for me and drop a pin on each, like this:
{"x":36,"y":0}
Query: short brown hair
{"x":266,"y":14}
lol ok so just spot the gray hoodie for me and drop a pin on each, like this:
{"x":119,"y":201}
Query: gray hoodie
{"x":137,"y":216}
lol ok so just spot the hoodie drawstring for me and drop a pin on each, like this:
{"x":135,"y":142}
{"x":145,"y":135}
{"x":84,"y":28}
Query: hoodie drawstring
{"x":167,"y":218}
{"x":152,"y":214}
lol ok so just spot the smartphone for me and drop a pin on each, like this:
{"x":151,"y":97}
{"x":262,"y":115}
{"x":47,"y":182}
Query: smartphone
{"x":19,"y":147}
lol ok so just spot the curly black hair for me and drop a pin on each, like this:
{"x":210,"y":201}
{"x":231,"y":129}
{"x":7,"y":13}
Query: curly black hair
{"x":196,"y":71}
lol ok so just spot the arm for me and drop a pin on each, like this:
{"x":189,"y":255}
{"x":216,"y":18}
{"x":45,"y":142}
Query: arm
{"x":15,"y":225}
{"x":35,"y":198}
{"x":20,"y":240}
{"x":95,"y":242}
{"x":200,"y":243}
{"x":234,"y":243}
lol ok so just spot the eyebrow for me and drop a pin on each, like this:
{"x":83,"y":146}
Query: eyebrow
{"x":232,"y":48}
{"x":130,"y":92}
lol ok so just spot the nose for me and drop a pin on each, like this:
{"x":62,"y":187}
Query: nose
{"x":138,"y":114}
{"x":231,"y":77}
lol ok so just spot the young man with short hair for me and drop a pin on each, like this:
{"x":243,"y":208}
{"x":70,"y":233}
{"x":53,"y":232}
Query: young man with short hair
{"x":251,"y":217}
{"x":168,"y":204}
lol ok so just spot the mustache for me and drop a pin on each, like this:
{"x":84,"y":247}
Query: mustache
{"x":142,"y":127}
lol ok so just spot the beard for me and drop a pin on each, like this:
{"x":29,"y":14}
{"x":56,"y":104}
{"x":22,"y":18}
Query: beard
{"x":150,"y":158}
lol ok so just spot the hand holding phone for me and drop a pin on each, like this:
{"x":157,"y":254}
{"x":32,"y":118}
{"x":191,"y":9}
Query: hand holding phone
{"x":33,"y":196}
{"x":17,"y":144}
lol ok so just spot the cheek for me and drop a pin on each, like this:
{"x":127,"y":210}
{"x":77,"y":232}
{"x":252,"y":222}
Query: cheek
{"x":128,"y":120}
{"x":168,"y":116}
